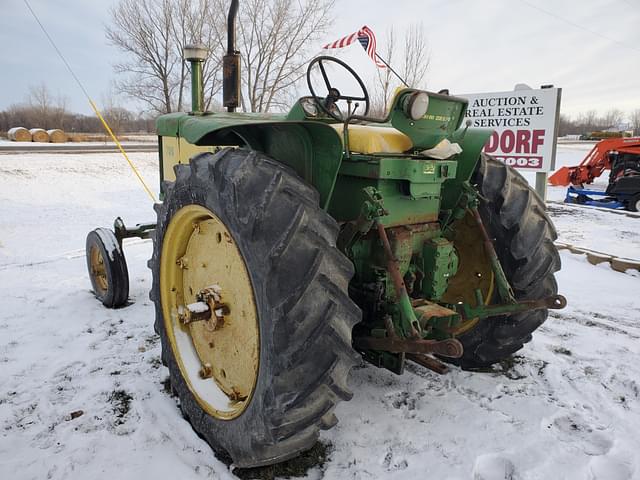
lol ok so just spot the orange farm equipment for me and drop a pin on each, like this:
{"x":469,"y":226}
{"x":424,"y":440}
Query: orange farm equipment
{"x":619,"y":155}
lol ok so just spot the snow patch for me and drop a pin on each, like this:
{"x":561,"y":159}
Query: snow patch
{"x":197,"y":307}
{"x":205,"y":388}
{"x":493,"y":467}
{"x":609,"y":468}
{"x":110,"y":243}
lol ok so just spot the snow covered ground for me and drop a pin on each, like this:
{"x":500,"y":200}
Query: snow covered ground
{"x":565,"y":407}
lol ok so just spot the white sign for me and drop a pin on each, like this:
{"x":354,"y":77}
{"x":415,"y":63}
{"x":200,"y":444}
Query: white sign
{"x":524,"y":122}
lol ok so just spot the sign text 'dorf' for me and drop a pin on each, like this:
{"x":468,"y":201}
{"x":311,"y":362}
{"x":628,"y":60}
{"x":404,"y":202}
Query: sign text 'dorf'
{"x":524,"y":124}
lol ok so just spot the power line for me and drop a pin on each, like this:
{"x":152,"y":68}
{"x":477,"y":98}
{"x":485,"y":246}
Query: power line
{"x":55,"y":47}
{"x":581,"y":27}
{"x":93,"y":105}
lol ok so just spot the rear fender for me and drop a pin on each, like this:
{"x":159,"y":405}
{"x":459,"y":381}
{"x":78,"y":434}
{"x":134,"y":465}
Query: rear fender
{"x":313,"y":150}
{"x":472,"y":142}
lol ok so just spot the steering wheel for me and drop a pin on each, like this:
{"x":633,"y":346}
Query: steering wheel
{"x":328,"y":104}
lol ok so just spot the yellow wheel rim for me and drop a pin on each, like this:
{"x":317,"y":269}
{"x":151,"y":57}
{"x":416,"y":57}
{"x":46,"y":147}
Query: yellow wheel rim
{"x":474,"y":270}
{"x":199,"y":252}
{"x":98,"y":269}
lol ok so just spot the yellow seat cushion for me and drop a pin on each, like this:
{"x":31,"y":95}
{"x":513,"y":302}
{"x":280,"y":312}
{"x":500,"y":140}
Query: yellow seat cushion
{"x":374,"y":139}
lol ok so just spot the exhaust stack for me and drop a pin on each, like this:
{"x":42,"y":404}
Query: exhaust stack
{"x":196,"y":54}
{"x":231,"y":63}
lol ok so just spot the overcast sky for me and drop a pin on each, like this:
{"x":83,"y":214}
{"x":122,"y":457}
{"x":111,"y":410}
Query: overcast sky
{"x":590,"y":48}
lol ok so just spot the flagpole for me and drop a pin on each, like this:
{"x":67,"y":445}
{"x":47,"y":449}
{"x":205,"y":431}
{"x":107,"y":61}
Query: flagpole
{"x":392,"y":70}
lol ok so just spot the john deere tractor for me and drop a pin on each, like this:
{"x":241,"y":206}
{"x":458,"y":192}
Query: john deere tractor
{"x":287,"y":247}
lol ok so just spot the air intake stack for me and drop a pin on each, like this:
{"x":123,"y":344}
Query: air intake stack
{"x":196,"y":55}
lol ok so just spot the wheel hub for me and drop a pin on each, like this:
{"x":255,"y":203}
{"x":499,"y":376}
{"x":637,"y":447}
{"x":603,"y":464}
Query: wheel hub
{"x":98,"y":270}
{"x":209,"y":311}
{"x":474,"y":270}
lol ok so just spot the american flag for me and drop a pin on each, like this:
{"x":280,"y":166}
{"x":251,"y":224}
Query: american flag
{"x":367,"y":39}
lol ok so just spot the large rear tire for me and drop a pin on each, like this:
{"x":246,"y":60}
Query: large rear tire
{"x":523,"y":236}
{"x":298,"y":282}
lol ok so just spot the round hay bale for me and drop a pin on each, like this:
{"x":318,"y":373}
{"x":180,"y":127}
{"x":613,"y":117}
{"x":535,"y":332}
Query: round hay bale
{"x":19,"y":134}
{"x":39,"y":135}
{"x":57,"y":136}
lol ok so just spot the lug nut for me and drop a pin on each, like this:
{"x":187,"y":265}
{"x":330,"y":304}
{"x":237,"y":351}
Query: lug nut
{"x":182,"y":263}
{"x":206,"y":371}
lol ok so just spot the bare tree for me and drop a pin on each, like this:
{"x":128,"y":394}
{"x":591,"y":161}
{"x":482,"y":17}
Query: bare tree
{"x":202,"y":22}
{"x":275,"y":37}
{"x":44,"y":110}
{"x":143,"y":30}
{"x":152,"y":33}
{"x":386,"y":80}
{"x":590,"y":121}
{"x":612,"y":118}
{"x":275,"y":40}
{"x":113,"y":112}
{"x":211,"y":31}
{"x":40,"y":100}
{"x":411,"y":62}
{"x":416,"y":57}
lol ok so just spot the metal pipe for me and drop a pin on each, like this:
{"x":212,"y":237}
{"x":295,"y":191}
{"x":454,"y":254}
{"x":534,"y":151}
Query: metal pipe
{"x":428,"y":362}
{"x":450,"y":348}
{"x":231,"y":27}
{"x":197,"y":94}
{"x":231,"y":64}
{"x":196,"y":54}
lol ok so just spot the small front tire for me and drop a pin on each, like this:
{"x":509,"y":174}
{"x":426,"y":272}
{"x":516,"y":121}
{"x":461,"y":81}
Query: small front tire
{"x":107,"y":268}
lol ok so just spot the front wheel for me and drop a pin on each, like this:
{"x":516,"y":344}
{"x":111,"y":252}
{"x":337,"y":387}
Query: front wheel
{"x":245,"y":235}
{"x":107,"y":268}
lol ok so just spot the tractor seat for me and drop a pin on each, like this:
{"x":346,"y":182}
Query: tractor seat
{"x":373,"y":139}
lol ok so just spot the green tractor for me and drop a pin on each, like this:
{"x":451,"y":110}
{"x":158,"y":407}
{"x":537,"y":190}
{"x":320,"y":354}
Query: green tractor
{"x":289,"y":246}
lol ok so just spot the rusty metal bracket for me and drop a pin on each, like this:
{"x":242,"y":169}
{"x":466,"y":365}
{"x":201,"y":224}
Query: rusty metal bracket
{"x":372,"y":208}
{"x":451,"y":348}
{"x":467,"y":312}
{"x":410,"y":322}
{"x":141,"y":230}
{"x":428,"y":362}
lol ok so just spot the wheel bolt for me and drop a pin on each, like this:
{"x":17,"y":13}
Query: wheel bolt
{"x":182,"y":263}
{"x":206,"y":371}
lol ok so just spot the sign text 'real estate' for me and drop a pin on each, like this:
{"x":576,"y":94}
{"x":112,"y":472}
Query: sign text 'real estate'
{"x":524,"y":124}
